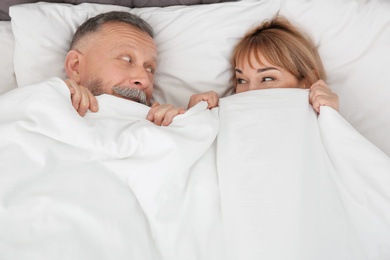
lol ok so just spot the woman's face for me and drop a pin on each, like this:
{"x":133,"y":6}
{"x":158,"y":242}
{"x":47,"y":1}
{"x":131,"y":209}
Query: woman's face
{"x":263,"y":76}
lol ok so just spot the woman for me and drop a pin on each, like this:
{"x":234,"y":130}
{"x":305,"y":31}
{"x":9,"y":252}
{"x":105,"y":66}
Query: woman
{"x":277,"y":54}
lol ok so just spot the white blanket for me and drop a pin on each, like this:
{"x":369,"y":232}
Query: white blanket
{"x":111,"y":185}
{"x":297,"y":187}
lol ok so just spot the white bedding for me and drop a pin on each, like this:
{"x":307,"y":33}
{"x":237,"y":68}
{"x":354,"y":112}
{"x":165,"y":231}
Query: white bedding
{"x":297,"y":187}
{"x":110,"y":185}
{"x":114,"y":186}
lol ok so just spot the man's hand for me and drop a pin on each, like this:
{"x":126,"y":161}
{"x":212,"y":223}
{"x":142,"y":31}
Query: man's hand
{"x":211,"y":97}
{"x":163,"y":114}
{"x":82,"y":98}
{"x":322,"y":95}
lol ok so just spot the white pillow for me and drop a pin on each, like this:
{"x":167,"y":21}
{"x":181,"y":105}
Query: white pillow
{"x":43,"y":32}
{"x":354,"y":43}
{"x":7,"y":73}
{"x":194,"y":42}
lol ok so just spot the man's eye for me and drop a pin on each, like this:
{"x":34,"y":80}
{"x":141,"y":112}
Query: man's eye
{"x":267,"y":79}
{"x":126,"y":58}
{"x":150,"y":70}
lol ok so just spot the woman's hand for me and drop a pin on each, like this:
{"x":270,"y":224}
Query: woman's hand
{"x":322,"y":95}
{"x":211,"y":97}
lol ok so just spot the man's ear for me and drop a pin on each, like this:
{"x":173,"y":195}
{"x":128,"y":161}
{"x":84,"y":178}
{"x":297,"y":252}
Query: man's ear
{"x":72,"y":65}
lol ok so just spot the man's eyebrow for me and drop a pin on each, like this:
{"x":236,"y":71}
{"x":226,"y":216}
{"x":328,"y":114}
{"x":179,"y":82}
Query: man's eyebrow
{"x":130,"y":46}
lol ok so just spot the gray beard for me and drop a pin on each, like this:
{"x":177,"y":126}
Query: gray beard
{"x":131,"y":93}
{"x":134,"y":94}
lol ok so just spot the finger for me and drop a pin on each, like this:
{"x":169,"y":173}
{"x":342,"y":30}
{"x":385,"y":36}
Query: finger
{"x":156,"y":114}
{"x":70,"y":87}
{"x":150,"y":115}
{"x":84,"y":102}
{"x":155,"y":104}
{"x":315,"y":90}
{"x":93,"y":104}
{"x":76,"y":94}
{"x":182,"y":110}
{"x":168,"y":117}
{"x":162,"y":112}
{"x":170,"y":114}
{"x":213,"y":102}
{"x":194,"y":99}
{"x":330,"y":100}
{"x":316,"y":106}
{"x":158,"y":118}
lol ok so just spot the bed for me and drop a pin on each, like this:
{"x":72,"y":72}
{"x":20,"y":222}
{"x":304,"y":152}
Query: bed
{"x":261,"y":177}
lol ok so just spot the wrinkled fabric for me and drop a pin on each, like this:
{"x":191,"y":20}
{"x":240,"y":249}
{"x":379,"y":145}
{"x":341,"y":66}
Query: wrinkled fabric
{"x":110,"y":185}
{"x":297,"y":186}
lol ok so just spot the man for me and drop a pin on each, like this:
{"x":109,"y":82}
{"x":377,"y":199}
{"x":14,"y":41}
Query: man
{"x":114,"y":53}
{"x":110,"y":183}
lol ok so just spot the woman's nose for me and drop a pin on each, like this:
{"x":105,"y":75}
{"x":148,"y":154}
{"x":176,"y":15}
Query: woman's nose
{"x":252,"y":85}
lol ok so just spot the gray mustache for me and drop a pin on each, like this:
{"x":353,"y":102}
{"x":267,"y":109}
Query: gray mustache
{"x":131,"y":93}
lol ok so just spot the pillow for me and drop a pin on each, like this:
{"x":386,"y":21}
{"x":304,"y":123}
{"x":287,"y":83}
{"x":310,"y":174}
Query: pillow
{"x":195,"y":45}
{"x":7,"y":74}
{"x":43,"y":32}
{"x":194,"y":42}
{"x":353,"y":38}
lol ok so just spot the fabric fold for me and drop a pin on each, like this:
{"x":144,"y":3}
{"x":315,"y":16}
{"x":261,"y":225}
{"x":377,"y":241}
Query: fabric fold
{"x":287,"y":179}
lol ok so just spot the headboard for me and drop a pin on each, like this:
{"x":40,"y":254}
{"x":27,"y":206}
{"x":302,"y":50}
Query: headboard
{"x":4,"y":5}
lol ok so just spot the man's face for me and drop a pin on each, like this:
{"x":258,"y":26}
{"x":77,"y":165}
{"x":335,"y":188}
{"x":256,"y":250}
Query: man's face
{"x":120,"y":56}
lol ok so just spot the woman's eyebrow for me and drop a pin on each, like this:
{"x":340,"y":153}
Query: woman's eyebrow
{"x":265,"y":69}
{"x":258,"y":71}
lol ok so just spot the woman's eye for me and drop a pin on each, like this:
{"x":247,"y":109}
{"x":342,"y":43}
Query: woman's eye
{"x":267,"y":79}
{"x":241,"y":81}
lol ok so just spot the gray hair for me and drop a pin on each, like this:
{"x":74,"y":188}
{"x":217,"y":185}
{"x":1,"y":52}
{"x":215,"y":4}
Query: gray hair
{"x":93,"y":24}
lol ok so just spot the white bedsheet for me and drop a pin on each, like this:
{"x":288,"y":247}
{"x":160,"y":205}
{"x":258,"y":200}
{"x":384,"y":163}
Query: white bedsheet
{"x":294,"y":186}
{"x":278,"y":182}
{"x":111,"y":185}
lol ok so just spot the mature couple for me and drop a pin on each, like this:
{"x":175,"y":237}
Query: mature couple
{"x":114,"y":53}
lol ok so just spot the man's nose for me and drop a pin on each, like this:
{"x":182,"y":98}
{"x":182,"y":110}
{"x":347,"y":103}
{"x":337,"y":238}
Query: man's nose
{"x":139,"y":77}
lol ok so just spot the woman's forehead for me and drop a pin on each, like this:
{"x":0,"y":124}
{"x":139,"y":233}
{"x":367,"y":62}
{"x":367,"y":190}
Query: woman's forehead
{"x":253,"y":57}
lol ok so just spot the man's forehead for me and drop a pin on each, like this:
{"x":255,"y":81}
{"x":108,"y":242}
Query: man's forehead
{"x":126,"y":46}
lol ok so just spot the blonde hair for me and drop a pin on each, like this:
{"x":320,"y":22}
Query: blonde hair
{"x":283,"y":45}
